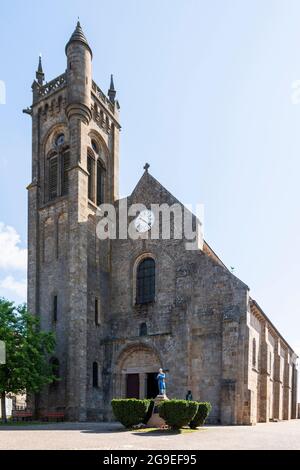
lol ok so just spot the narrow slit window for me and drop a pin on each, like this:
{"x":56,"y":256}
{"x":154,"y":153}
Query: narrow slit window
{"x":95,"y":374}
{"x":55,"y":308}
{"x":97,"y":313}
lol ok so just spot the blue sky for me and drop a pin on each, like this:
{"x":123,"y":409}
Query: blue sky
{"x":205,"y":89}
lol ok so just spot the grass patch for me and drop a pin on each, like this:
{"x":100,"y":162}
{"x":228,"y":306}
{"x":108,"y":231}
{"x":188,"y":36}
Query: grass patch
{"x":158,"y":431}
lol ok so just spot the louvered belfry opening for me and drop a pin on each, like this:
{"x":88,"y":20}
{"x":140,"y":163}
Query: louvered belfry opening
{"x":96,"y":180}
{"x":53,"y":177}
{"x":100,"y":183}
{"x":91,"y":177}
{"x":146,"y":281}
{"x":59,"y":165}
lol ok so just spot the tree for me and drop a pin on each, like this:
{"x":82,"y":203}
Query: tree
{"x":27,"y":367}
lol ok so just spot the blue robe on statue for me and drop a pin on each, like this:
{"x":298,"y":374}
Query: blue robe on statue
{"x":161,"y":383}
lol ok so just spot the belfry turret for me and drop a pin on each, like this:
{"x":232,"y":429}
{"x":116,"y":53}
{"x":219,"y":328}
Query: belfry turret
{"x":79,"y":75}
{"x":75,"y":168}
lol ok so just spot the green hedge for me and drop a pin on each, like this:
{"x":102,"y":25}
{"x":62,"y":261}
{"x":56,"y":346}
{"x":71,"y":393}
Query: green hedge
{"x":178,"y":413}
{"x":130,"y":411}
{"x":204,"y":408}
{"x":149,"y":412}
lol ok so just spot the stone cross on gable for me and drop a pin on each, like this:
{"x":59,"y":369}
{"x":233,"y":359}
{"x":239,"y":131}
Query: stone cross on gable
{"x":146,"y":167}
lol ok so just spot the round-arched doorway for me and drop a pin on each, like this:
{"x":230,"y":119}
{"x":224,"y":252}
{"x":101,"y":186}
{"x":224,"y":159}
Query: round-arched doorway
{"x":135,"y":373}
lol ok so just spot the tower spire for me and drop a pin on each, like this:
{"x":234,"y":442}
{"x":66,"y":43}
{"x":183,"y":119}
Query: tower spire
{"x":78,"y":36}
{"x":112,"y":92}
{"x":40,"y":76}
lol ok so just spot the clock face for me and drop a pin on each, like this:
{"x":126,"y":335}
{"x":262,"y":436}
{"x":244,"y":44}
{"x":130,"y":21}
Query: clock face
{"x":144,"y":221}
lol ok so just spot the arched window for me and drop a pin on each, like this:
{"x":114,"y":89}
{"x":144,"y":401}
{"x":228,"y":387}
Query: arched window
{"x":254,"y":352}
{"x":58,"y":169}
{"x":95,"y":374}
{"x":145,"y":289}
{"x":143,"y":329}
{"x":96,"y":170}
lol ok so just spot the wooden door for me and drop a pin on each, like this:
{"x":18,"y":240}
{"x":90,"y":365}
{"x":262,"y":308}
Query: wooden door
{"x":133,"y":386}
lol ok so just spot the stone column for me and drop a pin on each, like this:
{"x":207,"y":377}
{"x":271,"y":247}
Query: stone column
{"x":143,"y":386}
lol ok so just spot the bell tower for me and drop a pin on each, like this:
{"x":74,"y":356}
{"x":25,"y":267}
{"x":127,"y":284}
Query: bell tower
{"x":75,"y":165}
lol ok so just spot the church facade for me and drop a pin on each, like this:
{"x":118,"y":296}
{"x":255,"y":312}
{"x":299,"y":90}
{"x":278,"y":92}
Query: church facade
{"x":122,"y":308}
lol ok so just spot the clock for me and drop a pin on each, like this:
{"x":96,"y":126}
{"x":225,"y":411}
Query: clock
{"x":144,"y":221}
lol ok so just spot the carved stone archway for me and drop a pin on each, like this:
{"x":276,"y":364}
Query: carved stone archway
{"x":139,"y":359}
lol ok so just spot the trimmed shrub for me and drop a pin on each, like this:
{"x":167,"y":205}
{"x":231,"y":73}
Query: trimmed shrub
{"x":177,"y":413}
{"x":204,"y":409}
{"x":130,"y":411}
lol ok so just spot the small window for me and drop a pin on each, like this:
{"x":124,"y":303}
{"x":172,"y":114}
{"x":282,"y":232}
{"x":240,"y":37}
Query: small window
{"x":95,"y":374}
{"x":254,"y":352}
{"x":60,"y":139}
{"x":94,"y":143}
{"x":270,"y":363}
{"x":97,"y":313}
{"x":55,"y":308}
{"x":143,"y":329}
{"x":146,"y":281}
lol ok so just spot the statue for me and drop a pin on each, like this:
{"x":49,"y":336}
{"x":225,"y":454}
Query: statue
{"x":161,"y":382}
{"x":155,"y":420}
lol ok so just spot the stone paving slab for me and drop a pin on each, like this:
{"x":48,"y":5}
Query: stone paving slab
{"x":109,"y":436}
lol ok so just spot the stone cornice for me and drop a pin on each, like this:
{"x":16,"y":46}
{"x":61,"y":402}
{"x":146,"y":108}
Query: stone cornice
{"x":261,"y":316}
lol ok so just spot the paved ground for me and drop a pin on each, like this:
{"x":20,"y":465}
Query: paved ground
{"x":284,"y":435}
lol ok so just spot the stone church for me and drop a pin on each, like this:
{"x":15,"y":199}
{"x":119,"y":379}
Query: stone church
{"x":123,"y":308}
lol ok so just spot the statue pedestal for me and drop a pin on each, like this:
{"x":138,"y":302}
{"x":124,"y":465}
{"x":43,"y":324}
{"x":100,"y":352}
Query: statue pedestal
{"x":155,"y":420}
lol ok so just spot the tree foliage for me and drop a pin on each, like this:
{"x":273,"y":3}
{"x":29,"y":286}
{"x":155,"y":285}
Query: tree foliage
{"x":28,"y":348}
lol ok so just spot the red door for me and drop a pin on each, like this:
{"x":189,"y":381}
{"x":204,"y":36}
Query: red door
{"x":133,"y":386}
